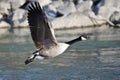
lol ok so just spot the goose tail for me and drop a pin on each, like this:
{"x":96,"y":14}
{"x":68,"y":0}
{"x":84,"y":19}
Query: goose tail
{"x":30,"y":59}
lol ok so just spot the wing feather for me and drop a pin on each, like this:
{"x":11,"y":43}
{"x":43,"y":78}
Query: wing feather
{"x":40,"y":26}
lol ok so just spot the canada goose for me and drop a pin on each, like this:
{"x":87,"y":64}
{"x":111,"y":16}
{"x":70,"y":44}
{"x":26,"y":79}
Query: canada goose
{"x":43,"y":35}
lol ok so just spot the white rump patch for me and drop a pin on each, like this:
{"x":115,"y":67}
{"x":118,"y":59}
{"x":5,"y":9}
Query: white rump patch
{"x":83,"y":38}
{"x":40,"y":57}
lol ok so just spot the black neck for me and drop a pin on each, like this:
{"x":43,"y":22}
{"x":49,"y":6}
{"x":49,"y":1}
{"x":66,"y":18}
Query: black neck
{"x":73,"y":41}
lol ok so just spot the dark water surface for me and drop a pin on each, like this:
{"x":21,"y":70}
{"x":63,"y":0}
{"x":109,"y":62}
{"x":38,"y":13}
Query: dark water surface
{"x":95,"y":59}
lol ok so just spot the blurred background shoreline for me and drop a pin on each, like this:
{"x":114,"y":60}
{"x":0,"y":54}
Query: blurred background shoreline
{"x":95,"y":59}
{"x":62,"y":13}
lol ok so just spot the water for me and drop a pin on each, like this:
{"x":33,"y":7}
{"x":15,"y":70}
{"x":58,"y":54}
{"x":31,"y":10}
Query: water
{"x":95,"y":59}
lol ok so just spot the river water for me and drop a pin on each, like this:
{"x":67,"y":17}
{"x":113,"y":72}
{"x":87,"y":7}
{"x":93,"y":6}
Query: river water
{"x":95,"y":59}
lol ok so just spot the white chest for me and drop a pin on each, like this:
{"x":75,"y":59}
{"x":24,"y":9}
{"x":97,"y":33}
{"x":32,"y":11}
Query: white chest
{"x":55,"y":50}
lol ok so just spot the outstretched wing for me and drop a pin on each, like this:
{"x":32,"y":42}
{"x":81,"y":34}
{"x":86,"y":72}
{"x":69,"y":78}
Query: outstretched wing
{"x":40,"y":27}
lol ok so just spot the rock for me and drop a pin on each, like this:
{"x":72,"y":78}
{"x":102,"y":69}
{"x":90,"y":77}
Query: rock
{"x":44,"y":2}
{"x":77,"y":2}
{"x":57,"y":3}
{"x":72,"y":13}
{"x":4,"y":7}
{"x":59,"y":8}
{"x":50,"y":10}
{"x":115,"y":18}
{"x":54,"y":5}
{"x":112,"y":3}
{"x":15,"y":4}
{"x":67,"y":7}
{"x":76,"y":19}
{"x":18,"y":18}
{"x":84,"y":6}
{"x":3,"y":24}
{"x":108,"y":8}
{"x":106,"y":11}
{"x":1,"y":16}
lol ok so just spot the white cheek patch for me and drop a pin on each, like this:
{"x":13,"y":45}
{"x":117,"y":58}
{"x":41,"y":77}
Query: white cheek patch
{"x":83,"y":38}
